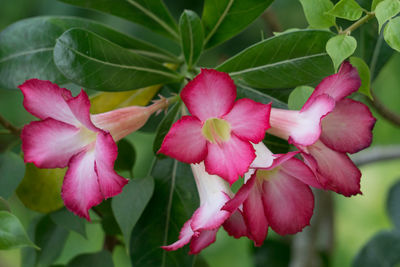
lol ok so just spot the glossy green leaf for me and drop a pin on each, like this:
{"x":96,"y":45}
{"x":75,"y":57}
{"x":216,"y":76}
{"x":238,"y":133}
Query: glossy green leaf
{"x":12,"y":233}
{"x":152,"y":14}
{"x":129,"y":205}
{"x":99,"y":259}
{"x":96,"y":63}
{"x":374,"y":4}
{"x":26,"y":48}
{"x":363,"y":72}
{"x":172,"y":204}
{"x":126,"y":156}
{"x":282,"y":61}
{"x":340,"y":47}
{"x":40,"y":190}
{"x":346,"y":9}
{"x":266,"y":97}
{"x":382,"y":250}
{"x":315,"y":11}
{"x":392,"y":33}
{"x":51,"y":240}
{"x":192,"y":36}
{"x":164,"y":127}
{"x":275,"y":144}
{"x":393,"y":204}
{"x":385,"y":10}
{"x":69,"y":221}
{"x":4,"y":205}
{"x":299,"y":96}
{"x":224,"y":19}
{"x":12,"y":169}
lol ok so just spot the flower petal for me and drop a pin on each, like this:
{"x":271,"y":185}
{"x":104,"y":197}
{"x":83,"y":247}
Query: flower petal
{"x":110,"y":182}
{"x":288,"y":203}
{"x":184,"y":237}
{"x":80,"y":190}
{"x":334,"y":170}
{"x":185,"y":141}
{"x":203,"y":240}
{"x":210,"y":94}
{"x":241,"y":195}
{"x":51,"y":143}
{"x":229,"y":159}
{"x":298,"y":169}
{"x":249,"y":119}
{"x":80,"y":107}
{"x":44,"y":99}
{"x":235,"y":225}
{"x":339,"y":85}
{"x":348,"y":128}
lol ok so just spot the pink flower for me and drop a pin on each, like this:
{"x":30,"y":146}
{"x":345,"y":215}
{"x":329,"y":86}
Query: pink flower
{"x":346,"y":128}
{"x":220,"y":130}
{"x":201,"y":229}
{"x":276,"y":196}
{"x":67,"y":135}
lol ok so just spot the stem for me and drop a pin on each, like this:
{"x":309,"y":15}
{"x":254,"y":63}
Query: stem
{"x":358,"y":23}
{"x":383,"y":110}
{"x":376,"y":154}
{"x":14,"y":130}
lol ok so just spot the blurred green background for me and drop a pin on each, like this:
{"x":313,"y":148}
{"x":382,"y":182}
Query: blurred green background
{"x":356,"y":219}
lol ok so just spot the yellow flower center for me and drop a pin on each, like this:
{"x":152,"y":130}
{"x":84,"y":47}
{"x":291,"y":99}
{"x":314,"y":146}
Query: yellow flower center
{"x":216,"y":130}
{"x":263,"y":175}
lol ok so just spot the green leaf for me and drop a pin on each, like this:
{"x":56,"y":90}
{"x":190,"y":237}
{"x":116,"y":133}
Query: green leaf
{"x":340,"y":47}
{"x":126,"y":156}
{"x":393,"y":204}
{"x":346,"y":9}
{"x":272,"y":253}
{"x":172,"y":204}
{"x":385,"y":10}
{"x":129,"y":205}
{"x":40,"y":190}
{"x":282,"y":61}
{"x":4,"y":205}
{"x":12,"y":233}
{"x":363,"y":72}
{"x":7,"y":140}
{"x":12,"y":170}
{"x":382,"y":250}
{"x":51,"y":240}
{"x":69,"y":221}
{"x":223,"y":19}
{"x":299,"y":96}
{"x":192,"y":36}
{"x":99,"y":259}
{"x":275,"y":144}
{"x":152,"y":14}
{"x":108,"y":221}
{"x":96,"y":63}
{"x":392,"y":33}
{"x":266,"y":97}
{"x":26,"y":48}
{"x":164,"y":127}
{"x":374,"y":4}
{"x":315,"y":11}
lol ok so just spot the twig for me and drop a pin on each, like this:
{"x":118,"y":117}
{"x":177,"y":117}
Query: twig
{"x":271,"y":20}
{"x":6,"y":124}
{"x":383,"y":110}
{"x":376,"y":154}
{"x":358,"y":23}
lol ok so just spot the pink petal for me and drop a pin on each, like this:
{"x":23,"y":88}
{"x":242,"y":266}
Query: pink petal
{"x":349,"y":127}
{"x":80,"y":107}
{"x":254,"y":214}
{"x":210,"y":94}
{"x":301,"y":127}
{"x":203,"y":240}
{"x":229,"y":159}
{"x":184,"y":237}
{"x":44,"y":99}
{"x":249,"y":119}
{"x":296,"y":168}
{"x":264,"y":157}
{"x":51,"y":143}
{"x":80,"y":190}
{"x":334,"y":170}
{"x":184,"y":141}
{"x":235,"y":226}
{"x":339,"y":85}
{"x":110,"y":182}
{"x":241,"y":195}
{"x":288,"y":203}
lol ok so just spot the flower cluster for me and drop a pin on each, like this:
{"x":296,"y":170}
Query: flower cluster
{"x":222,"y":140}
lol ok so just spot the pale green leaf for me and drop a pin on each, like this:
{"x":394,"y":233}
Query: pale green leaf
{"x":386,"y":10}
{"x":364,"y":73}
{"x":340,"y":47}
{"x":374,"y":4}
{"x":392,"y":33}
{"x":346,"y":9}
{"x":12,"y":233}
{"x":299,"y":96}
{"x":12,"y":170}
{"x":315,"y":11}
